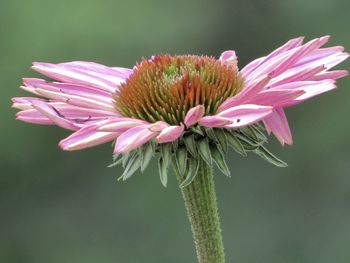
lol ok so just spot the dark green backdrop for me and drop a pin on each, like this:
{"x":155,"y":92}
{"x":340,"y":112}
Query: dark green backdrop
{"x":58,"y":207}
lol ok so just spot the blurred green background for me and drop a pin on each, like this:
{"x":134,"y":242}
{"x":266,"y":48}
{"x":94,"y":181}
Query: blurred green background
{"x":58,"y":207}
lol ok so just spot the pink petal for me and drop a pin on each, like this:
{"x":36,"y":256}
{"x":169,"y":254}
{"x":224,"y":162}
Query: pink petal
{"x":317,"y":89}
{"x":243,"y":115}
{"x":284,"y":60}
{"x":310,"y":88}
{"x":113,"y":74}
{"x":300,"y":53}
{"x":277,"y":123}
{"x":50,"y":113}
{"x":24,"y":103}
{"x":193,"y":115}
{"x":229,"y":58}
{"x":79,"y":116}
{"x":85,"y":138}
{"x":33,"y":116}
{"x":68,"y":72}
{"x":77,"y":89}
{"x":323,"y":56}
{"x":75,"y":112}
{"x":293,"y":43}
{"x":275,"y":97}
{"x":246,"y":93}
{"x":120,"y":124}
{"x":158,"y":126}
{"x":214,"y":121}
{"x":134,"y":138}
{"x":75,"y":100}
{"x":170,"y":134}
{"x":336,"y":74}
{"x":297,"y":74}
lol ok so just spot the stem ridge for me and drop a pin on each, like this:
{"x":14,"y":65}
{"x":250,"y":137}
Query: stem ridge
{"x":201,"y":205}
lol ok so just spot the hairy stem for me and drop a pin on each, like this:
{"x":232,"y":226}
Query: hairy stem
{"x":202,"y":211}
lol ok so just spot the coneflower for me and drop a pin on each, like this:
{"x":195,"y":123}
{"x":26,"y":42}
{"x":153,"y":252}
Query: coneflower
{"x":187,"y":110}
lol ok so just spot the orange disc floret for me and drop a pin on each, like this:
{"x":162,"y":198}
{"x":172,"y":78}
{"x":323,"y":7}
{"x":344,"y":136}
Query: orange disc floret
{"x":165,"y":87}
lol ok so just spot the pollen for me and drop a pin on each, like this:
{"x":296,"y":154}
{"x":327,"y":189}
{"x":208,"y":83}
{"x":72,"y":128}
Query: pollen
{"x":165,"y":88}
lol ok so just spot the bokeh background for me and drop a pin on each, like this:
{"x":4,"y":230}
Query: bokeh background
{"x":58,"y":207}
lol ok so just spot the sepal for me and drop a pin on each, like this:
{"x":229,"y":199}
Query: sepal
{"x":197,"y":143}
{"x":191,"y":173}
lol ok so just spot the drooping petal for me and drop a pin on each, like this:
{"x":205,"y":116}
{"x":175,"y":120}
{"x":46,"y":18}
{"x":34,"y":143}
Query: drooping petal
{"x":67,"y":110}
{"x":75,"y":100}
{"x":53,"y":115}
{"x":243,"y":115}
{"x":277,"y":123}
{"x":33,"y":116}
{"x":86,"y":137}
{"x":134,"y":138}
{"x":193,"y":115}
{"x":80,"y":119}
{"x":214,"y":121}
{"x":24,"y":103}
{"x":77,"y":89}
{"x":170,"y":133}
{"x":79,"y":116}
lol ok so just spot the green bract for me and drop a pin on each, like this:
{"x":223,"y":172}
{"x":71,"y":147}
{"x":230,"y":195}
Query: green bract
{"x":197,"y":143}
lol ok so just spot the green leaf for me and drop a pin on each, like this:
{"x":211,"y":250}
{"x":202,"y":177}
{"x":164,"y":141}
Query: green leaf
{"x":219,"y":159}
{"x":247,"y":143}
{"x":166,"y":152}
{"x":175,"y":145}
{"x":126,"y":157}
{"x":198,"y":130}
{"x":116,"y":160}
{"x":235,"y":143}
{"x":146,"y":156}
{"x":192,"y":171}
{"x":260,"y":127}
{"x":211,"y":134}
{"x":115,"y":156}
{"x":181,"y":159}
{"x":204,"y":150}
{"x":249,"y":132}
{"x":133,"y":164}
{"x":115,"y":163}
{"x":260,"y":133}
{"x":190,"y":145}
{"x":163,"y":172}
{"x":268,"y":156}
{"x":220,"y":134}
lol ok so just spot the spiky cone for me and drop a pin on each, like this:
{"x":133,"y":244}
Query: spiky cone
{"x":187,"y":110}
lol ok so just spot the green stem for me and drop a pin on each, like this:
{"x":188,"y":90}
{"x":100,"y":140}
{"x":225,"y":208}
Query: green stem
{"x":202,"y":211}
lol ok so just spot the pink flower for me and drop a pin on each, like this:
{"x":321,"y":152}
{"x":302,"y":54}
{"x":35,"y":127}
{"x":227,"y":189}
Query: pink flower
{"x":162,"y":98}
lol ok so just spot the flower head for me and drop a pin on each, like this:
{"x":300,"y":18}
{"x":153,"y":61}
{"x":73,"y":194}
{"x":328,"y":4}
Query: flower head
{"x":183,"y":107}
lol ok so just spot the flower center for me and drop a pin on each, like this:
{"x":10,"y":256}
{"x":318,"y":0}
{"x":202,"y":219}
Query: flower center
{"x":165,"y":87}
